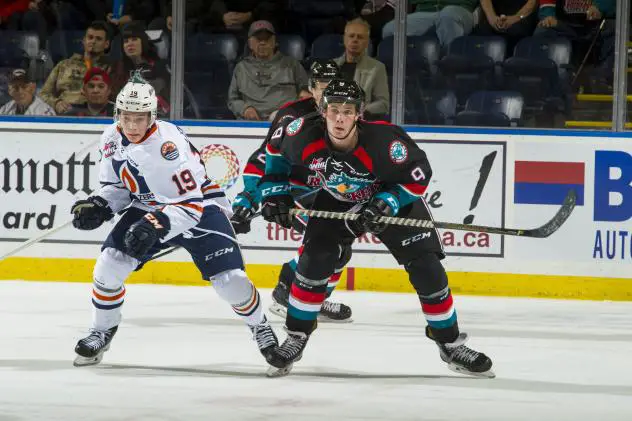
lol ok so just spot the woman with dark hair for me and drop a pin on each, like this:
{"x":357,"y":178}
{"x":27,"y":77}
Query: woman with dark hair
{"x":139,"y":54}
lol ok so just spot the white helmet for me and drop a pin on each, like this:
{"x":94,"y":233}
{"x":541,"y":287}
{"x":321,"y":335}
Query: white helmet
{"x":137,"y":96}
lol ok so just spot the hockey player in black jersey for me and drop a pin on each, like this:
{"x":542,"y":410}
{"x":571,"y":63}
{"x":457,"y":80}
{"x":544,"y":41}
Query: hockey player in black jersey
{"x":303,"y":181}
{"x":376,"y":170}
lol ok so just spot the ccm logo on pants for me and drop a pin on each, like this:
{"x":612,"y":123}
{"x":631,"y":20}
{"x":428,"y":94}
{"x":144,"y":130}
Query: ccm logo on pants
{"x":416,"y":238}
{"x":218,"y":253}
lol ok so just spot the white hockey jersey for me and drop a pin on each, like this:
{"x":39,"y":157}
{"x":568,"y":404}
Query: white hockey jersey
{"x":163,"y":171}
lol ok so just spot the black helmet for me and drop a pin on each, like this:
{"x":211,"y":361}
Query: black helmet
{"x":342,"y":90}
{"x":322,"y":71}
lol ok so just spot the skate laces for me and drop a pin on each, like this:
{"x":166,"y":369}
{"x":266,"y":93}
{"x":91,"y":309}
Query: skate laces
{"x":463,"y":353}
{"x":264,"y":335}
{"x":293,"y":344}
{"x":331,"y":307}
{"x":95,"y":339}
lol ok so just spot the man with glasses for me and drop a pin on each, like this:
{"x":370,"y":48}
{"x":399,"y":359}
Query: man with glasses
{"x":266,"y":79}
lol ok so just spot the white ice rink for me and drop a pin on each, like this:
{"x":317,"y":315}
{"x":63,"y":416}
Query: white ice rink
{"x":181,"y":354}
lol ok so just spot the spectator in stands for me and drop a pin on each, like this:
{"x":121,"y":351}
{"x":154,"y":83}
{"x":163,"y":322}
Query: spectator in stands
{"x":25,"y":15}
{"x":580,"y":21}
{"x":450,"y":19}
{"x":139,"y":53}
{"x":266,"y":79}
{"x":24,"y":102}
{"x":377,"y":13}
{"x":63,"y":88}
{"x":142,"y":11}
{"x":198,"y":16}
{"x":369,"y":73}
{"x":511,"y":19}
{"x":236,"y":15}
{"x":96,"y":89}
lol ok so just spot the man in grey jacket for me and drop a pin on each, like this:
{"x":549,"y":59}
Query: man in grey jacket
{"x":24,"y":101}
{"x":266,"y":79}
{"x":368,"y":72}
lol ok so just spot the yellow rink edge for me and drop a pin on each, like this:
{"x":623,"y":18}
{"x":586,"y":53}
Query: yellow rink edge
{"x":382,"y":280}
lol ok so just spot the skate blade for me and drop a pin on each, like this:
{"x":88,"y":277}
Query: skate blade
{"x":278,"y":372}
{"x":325,"y":319}
{"x":278,"y":310}
{"x":87,"y":361}
{"x":489,"y":374}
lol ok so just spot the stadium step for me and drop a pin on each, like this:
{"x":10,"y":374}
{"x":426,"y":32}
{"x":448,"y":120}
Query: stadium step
{"x":571,"y":124}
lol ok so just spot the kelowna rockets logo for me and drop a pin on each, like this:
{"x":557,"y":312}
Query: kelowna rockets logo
{"x":349,"y":188}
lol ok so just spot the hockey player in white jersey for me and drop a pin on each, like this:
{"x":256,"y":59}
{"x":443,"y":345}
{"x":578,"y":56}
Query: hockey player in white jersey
{"x":150,"y":171}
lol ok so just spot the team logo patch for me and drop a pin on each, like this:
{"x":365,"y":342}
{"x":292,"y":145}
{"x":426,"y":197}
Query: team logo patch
{"x":294,"y":127}
{"x":221,"y":164}
{"x":397,"y":151}
{"x":169,"y":151}
{"x":109,"y":149}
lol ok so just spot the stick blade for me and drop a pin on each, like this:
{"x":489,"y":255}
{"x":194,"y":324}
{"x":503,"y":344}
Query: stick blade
{"x":558,"y":220}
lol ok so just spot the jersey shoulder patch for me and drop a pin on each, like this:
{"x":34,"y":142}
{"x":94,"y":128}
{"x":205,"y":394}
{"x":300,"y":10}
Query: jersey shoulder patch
{"x":295,"y":127}
{"x":397,"y":152}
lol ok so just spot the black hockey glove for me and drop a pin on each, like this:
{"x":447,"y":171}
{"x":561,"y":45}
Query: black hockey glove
{"x":90,"y":213}
{"x":244,"y":209}
{"x":372,"y":212}
{"x":277,"y":209}
{"x":142,"y":235}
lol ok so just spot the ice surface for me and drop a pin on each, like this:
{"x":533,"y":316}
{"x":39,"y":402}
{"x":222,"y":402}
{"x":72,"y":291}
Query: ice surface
{"x":181,"y":354}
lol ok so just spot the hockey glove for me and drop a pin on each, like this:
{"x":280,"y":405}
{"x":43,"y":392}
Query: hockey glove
{"x":244,"y":209}
{"x":277,"y":209}
{"x":142,"y":235}
{"x":369,"y":216}
{"x":90,"y":213}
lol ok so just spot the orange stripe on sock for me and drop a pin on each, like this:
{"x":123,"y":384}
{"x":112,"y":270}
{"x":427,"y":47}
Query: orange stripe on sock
{"x":106,"y":298}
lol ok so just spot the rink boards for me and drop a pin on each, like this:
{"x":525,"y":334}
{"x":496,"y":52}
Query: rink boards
{"x":505,"y":178}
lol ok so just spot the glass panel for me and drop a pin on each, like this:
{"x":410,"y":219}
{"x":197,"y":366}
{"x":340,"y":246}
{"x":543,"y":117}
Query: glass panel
{"x":521,"y":64}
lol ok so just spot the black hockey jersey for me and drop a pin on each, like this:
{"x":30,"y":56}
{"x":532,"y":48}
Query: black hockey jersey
{"x":255,"y":168}
{"x":386,"y":162}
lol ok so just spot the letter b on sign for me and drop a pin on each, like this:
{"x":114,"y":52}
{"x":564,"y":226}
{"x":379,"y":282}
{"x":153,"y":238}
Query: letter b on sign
{"x":613,"y":186}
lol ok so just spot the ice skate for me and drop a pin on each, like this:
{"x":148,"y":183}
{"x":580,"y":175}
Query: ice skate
{"x":265,"y":337}
{"x":280,"y":296}
{"x":91,"y":348}
{"x":333,"y":312}
{"x":464,"y":360}
{"x":283,"y":357}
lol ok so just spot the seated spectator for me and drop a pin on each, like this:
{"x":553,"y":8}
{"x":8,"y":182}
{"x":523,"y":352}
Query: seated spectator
{"x":142,"y":11}
{"x":24,"y":102}
{"x":377,"y":13}
{"x":449,"y":18}
{"x":96,"y":89}
{"x":139,"y":53}
{"x":236,"y":15}
{"x":581,"y":23}
{"x":25,"y":15}
{"x":511,"y":19}
{"x":266,"y":79}
{"x":63,"y":88}
{"x":198,"y":16}
{"x":369,"y":73}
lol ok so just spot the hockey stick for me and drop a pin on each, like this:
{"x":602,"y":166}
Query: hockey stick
{"x":592,"y":44}
{"x":256,"y":214}
{"x":35,"y":240}
{"x":541,"y":232}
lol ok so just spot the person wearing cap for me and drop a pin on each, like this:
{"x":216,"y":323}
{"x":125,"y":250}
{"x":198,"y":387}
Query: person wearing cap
{"x":96,"y":89}
{"x":63,"y":88}
{"x":24,"y":102}
{"x":265,"y":79}
{"x":139,"y":53}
